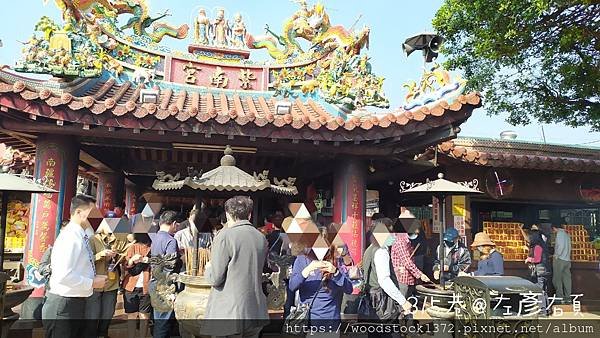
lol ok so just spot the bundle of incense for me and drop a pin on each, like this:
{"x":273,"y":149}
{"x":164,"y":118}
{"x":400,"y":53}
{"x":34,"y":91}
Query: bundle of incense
{"x":196,"y":260}
{"x":186,"y":256}
{"x":203,"y":258}
{"x":195,"y":268}
{"x":189,"y":264}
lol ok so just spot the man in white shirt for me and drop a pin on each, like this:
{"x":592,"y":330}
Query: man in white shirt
{"x":186,"y":237}
{"x":378,"y":266}
{"x":73,"y":277}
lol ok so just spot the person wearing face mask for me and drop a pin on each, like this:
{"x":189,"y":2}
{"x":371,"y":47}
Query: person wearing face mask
{"x":419,"y":244}
{"x":405,"y":268}
{"x":457,"y":257}
{"x":380,"y":280}
{"x":491,"y":262}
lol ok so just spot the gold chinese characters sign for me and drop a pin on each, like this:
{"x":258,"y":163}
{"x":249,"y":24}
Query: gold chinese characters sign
{"x":193,"y":74}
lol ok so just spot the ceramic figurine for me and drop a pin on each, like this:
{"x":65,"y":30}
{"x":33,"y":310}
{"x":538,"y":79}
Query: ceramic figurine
{"x":220,"y":29}
{"x":238,"y":32}
{"x":201,"y":26}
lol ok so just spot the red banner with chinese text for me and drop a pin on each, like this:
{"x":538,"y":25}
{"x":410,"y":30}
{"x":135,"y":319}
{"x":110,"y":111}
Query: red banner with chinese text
{"x":349,"y":208}
{"x":46,"y":216}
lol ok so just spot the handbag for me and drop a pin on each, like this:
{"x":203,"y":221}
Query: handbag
{"x":300,"y":315}
{"x":364,"y":309}
{"x":376,"y":304}
{"x":385,"y":307}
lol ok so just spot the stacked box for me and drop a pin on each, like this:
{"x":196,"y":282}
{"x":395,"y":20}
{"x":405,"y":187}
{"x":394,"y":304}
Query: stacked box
{"x":582,"y":249}
{"x":508,"y":238}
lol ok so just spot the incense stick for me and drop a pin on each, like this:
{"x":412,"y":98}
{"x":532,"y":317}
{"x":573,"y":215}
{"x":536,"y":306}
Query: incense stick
{"x":124,"y":254}
{"x":415,"y":250}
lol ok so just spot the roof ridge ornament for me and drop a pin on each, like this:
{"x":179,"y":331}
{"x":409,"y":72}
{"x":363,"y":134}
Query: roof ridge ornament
{"x":226,"y":177}
{"x":286,"y":182}
{"x":406,"y":186}
{"x":162,"y":176}
{"x":262,"y":176}
{"x":441,"y":186}
{"x":228,"y":160}
{"x":474,"y":184}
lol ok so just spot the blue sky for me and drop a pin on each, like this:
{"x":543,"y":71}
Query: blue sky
{"x":390,"y":21}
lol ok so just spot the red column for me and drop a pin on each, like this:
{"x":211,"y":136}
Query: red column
{"x":349,"y":208}
{"x":56,"y":162}
{"x":130,"y":200}
{"x":109,"y":187}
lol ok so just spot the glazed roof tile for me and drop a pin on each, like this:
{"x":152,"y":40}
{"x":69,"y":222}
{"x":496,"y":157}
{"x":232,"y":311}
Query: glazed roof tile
{"x":520,"y":154}
{"x":110,"y":102}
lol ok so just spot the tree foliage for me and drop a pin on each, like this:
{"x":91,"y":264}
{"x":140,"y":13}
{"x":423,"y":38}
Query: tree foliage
{"x":533,"y":59}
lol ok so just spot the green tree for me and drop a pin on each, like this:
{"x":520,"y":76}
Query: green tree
{"x":533,"y":59}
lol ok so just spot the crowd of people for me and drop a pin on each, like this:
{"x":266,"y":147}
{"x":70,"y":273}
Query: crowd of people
{"x":85,"y":274}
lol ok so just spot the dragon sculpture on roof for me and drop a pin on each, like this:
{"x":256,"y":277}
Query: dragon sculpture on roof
{"x":312,"y":25}
{"x":341,"y":74}
{"x":84,"y":44}
{"x":311,"y":57}
{"x":139,"y":22}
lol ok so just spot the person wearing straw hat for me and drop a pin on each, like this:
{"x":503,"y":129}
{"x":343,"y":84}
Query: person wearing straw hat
{"x":491,"y":262}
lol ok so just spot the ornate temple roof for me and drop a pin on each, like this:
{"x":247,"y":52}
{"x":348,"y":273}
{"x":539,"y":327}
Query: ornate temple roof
{"x":227,"y":177}
{"x":11,"y":182}
{"x":108,"y":103}
{"x":519,"y":154}
{"x":107,"y":77}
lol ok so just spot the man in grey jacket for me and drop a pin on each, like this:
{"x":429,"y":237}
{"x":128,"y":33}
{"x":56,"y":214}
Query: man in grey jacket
{"x":561,"y":266}
{"x":238,"y":256}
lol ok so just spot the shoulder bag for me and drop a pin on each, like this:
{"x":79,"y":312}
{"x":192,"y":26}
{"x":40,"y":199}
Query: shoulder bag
{"x":365,"y":310}
{"x":300,"y":315}
{"x":374,"y":303}
{"x":137,"y":268}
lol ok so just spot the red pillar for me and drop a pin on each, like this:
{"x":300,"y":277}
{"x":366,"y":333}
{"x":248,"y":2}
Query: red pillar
{"x":56,"y":162}
{"x":130,"y":200}
{"x":349,"y":209}
{"x":110,"y":187}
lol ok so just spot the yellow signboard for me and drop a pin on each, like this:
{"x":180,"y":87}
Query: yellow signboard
{"x":459,"y":206}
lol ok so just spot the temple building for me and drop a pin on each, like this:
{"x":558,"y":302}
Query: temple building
{"x":527,"y":183}
{"x":121,"y":111}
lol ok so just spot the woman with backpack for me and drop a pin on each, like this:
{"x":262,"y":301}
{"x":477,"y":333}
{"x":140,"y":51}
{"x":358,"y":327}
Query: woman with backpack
{"x":538,"y":262}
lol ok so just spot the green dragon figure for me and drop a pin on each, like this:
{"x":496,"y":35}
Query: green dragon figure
{"x":141,"y":21}
{"x":310,"y":24}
